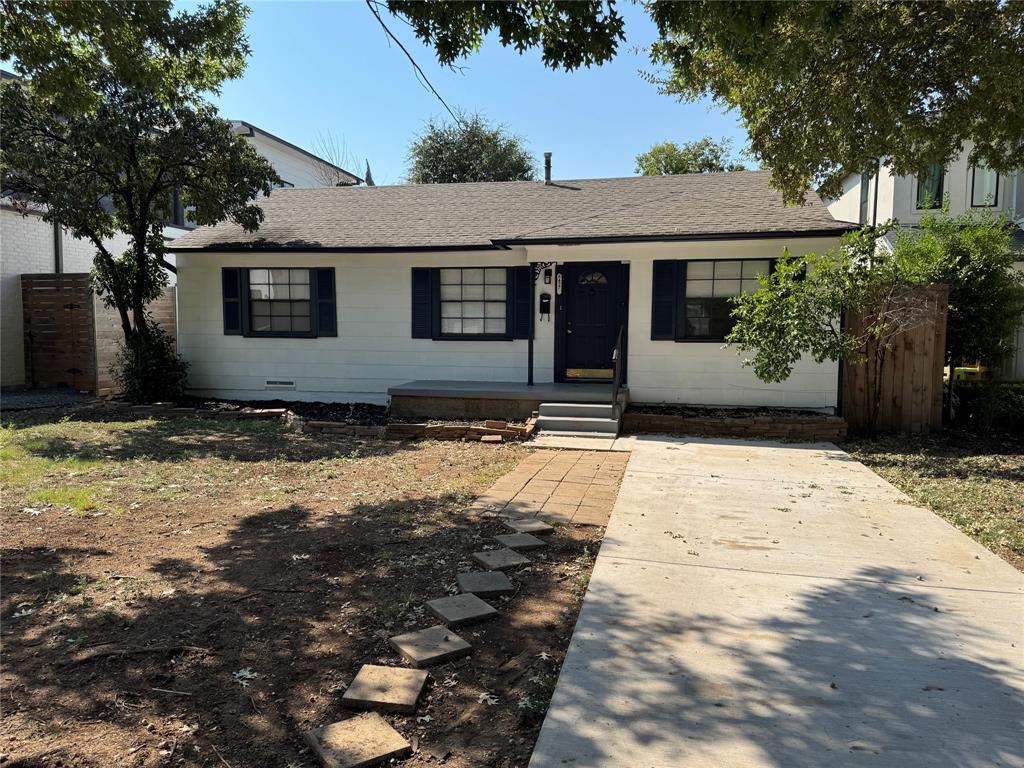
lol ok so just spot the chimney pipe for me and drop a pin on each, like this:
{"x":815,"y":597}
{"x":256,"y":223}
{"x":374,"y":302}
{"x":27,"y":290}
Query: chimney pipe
{"x":547,"y":167}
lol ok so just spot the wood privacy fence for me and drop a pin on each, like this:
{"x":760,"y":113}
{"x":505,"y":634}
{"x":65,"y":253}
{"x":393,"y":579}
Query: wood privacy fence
{"x":911,"y":376}
{"x":71,"y":338}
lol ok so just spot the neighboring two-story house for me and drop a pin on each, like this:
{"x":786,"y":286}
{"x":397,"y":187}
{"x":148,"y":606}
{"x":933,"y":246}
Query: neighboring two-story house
{"x":29,"y":245}
{"x":870,"y":199}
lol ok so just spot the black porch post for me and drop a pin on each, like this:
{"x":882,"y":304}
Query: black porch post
{"x":529,"y":340}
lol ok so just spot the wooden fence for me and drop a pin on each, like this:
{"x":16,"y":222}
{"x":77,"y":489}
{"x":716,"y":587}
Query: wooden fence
{"x":911,"y":376}
{"x":71,"y":338}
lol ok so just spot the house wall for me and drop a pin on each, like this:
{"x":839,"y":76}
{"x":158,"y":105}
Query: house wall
{"x":294,"y":167}
{"x":374,"y":349}
{"x":26,"y":247}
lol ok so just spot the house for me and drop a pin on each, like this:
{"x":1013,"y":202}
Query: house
{"x":28,"y":245}
{"x":871,"y":199}
{"x":442,"y":296}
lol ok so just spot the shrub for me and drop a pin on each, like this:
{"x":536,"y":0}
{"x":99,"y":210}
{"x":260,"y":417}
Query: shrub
{"x":990,"y":403}
{"x":149,"y":369}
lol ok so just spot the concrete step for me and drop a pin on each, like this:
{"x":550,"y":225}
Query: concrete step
{"x":586,"y":410}
{"x":603,"y":426}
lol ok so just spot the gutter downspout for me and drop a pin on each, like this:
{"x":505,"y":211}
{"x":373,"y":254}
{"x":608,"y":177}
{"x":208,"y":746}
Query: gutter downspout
{"x":58,"y":248}
{"x":878,"y":173}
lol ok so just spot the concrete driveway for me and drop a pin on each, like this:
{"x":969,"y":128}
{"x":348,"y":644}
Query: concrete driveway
{"x":765,"y":604}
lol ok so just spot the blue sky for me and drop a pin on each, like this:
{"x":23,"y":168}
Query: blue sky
{"x":320,"y":67}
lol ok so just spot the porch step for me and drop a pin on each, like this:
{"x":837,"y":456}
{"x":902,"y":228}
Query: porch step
{"x":586,"y":410}
{"x":602,"y":426}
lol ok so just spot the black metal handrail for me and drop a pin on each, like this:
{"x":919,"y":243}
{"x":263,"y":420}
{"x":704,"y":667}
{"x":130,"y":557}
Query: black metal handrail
{"x":617,"y":369}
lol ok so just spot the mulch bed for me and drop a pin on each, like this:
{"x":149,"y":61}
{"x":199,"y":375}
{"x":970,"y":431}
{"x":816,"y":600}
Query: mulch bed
{"x":250,"y":575}
{"x":710,"y":412}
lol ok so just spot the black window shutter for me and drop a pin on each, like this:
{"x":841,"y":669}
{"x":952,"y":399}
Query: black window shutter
{"x":519,"y":286}
{"x":231,"y":292}
{"x":422,"y":303}
{"x":664,"y":289}
{"x":326,"y":303}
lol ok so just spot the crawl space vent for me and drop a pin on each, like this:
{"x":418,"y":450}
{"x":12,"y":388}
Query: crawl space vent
{"x":278,"y":384}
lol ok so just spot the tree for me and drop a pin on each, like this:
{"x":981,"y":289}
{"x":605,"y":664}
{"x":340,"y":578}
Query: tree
{"x":335,"y":152}
{"x":972,"y":254}
{"x":468,"y":150}
{"x":823,"y":88}
{"x":800,"y":306}
{"x":108,"y":131}
{"x":701,"y":156}
{"x":798,"y":309}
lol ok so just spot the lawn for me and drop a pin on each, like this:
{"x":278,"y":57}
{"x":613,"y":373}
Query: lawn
{"x":186,"y":592}
{"x":976,"y":482}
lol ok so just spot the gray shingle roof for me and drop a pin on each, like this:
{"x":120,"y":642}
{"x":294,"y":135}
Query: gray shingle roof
{"x":483,"y":214}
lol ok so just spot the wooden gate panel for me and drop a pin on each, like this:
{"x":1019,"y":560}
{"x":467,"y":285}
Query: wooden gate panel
{"x":58,"y":321}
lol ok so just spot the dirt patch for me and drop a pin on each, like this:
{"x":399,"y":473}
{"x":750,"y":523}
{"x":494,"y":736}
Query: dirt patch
{"x":186,"y":592}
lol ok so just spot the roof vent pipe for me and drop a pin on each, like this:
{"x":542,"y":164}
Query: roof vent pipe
{"x":547,"y":167}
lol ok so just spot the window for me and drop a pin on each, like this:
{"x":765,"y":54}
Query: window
{"x":279,"y":301}
{"x":984,"y":187}
{"x":865,"y":186}
{"x":929,"y":187}
{"x":474,"y":301}
{"x":705,"y":311}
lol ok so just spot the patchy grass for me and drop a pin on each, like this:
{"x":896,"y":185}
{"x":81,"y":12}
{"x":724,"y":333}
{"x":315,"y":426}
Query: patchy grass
{"x":148,"y":562}
{"x":975,"y":482}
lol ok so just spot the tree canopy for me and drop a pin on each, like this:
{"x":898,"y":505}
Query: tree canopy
{"x":823,"y":88}
{"x":468,"y":150}
{"x":700,"y":156}
{"x":108,"y":130}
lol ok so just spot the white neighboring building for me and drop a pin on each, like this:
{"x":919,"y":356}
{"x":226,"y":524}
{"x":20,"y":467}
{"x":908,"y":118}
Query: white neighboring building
{"x":905,"y":199}
{"x":29,"y":245}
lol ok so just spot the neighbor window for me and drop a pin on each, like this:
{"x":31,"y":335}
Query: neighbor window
{"x":865,"y":186}
{"x":929,"y":187}
{"x":474,"y":301}
{"x":704,"y":310}
{"x":279,"y":301}
{"x":984,"y":187}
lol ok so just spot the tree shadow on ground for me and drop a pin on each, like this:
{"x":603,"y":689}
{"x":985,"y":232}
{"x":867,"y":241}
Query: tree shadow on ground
{"x":232,"y":650}
{"x":871,"y":669}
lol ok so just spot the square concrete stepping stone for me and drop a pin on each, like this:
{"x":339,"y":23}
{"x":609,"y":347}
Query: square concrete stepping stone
{"x":459,"y":610}
{"x":521,"y":542}
{"x":386,"y":689}
{"x":430,"y":646}
{"x":500,"y":559}
{"x":485,"y":583}
{"x":532,"y":525}
{"x":358,"y":742}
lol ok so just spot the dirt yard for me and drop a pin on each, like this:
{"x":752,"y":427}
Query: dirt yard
{"x":199,"y":593}
{"x":974,"y":481}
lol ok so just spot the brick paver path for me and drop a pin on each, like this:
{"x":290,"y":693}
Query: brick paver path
{"x":563,"y":486}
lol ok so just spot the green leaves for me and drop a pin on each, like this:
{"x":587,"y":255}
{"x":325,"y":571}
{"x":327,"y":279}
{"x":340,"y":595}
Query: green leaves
{"x":701,"y":156}
{"x":470,"y":150}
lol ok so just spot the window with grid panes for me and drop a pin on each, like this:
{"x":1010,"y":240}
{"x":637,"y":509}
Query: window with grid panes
{"x":279,"y":301}
{"x":473,"y":301}
{"x":705,"y":310}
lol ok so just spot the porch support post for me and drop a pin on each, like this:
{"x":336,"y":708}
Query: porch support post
{"x":533,"y":320}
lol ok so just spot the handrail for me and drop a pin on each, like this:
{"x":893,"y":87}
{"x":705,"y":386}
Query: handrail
{"x":617,"y":369}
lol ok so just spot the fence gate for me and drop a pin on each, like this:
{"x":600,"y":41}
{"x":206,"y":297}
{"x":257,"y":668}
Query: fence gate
{"x":59,"y":339}
{"x":911,"y":377}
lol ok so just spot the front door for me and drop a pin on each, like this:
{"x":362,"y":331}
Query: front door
{"x":591,"y":296}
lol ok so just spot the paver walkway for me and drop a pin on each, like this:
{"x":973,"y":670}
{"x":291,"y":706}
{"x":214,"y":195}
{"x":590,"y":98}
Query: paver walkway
{"x":763,"y":604}
{"x":559,"y":486}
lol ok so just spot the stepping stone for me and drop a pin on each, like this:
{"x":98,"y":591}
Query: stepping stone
{"x":522,"y":542}
{"x":387,"y":689}
{"x":458,"y":610}
{"x":358,"y":742}
{"x":430,"y":646}
{"x":531,"y":525}
{"x":485,"y":583}
{"x":500,"y":559}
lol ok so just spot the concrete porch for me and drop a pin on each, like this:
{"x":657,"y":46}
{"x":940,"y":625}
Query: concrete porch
{"x":491,"y":399}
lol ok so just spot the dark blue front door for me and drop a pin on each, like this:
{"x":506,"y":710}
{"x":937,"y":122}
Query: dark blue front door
{"x":591,"y":300}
